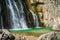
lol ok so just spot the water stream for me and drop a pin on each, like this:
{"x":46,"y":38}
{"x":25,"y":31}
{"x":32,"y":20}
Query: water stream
{"x":17,"y":14}
{"x":14,"y":15}
{"x":35,"y":18}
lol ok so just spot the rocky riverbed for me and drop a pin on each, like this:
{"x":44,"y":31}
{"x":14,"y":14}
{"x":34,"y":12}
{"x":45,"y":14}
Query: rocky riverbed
{"x":6,"y":35}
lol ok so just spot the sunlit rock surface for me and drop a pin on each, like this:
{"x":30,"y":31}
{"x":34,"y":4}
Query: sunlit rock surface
{"x":50,"y":36}
{"x":52,"y":12}
{"x":56,"y":27}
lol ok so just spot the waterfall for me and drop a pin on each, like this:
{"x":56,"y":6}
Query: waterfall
{"x":36,"y":23}
{"x":15,"y":9}
{"x":16,"y":15}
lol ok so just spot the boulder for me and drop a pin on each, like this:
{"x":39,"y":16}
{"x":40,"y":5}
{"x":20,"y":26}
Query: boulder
{"x":49,"y":36}
{"x":6,"y":35}
{"x":56,"y":27}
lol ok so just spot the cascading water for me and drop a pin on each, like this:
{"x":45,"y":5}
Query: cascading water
{"x":35,"y":18}
{"x":15,"y":15}
{"x":15,"y":10}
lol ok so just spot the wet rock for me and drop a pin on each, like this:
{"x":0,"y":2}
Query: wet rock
{"x":11,"y":37}
{"x":49,"y":36}
{"x":7,"y":37}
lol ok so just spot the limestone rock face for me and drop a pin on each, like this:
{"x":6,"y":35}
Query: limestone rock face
{"x":50,"y":36}
{"x":52,"y":12}
{"x":56,"y":27}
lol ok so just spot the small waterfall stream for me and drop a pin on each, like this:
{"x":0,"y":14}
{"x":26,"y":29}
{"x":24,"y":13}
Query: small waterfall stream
{"x":35,"y":18}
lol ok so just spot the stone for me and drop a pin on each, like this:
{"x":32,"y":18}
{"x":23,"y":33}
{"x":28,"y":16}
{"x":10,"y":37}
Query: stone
{"x":6,"y":35}
{"x":20,"y":38}
{"x":49,"y":36}
{"x":56,"y":27}
{"x":52,"y":12}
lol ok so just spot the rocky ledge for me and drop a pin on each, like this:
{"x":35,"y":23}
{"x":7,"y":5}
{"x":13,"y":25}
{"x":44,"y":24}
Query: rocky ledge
{"x":50,"y":36}
{"x":6,"y":35}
